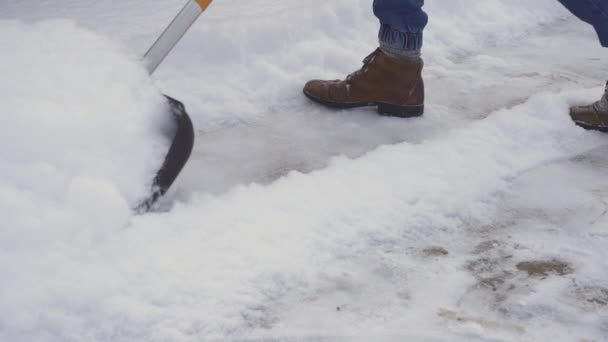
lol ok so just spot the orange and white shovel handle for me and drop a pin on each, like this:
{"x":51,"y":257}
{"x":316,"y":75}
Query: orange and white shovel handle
{"x":174,"y":32}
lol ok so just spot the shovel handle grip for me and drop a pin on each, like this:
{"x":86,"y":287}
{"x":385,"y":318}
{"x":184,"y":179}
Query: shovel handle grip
{"x":204,"y":4}
{"x":173,"y":33}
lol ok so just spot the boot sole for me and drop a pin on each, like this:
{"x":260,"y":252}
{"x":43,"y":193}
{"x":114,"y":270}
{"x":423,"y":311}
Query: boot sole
{"x":591,"y":127}
{"x":384,"y":109}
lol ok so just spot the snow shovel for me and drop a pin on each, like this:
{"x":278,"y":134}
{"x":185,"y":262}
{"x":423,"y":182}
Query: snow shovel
{"x":183,"y":140}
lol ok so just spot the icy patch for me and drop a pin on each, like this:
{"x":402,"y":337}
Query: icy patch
{"x":80,"y":134}
{"x":541,"y":265}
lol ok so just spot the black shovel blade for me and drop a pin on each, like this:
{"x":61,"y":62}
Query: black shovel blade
{"x":177,"y":156}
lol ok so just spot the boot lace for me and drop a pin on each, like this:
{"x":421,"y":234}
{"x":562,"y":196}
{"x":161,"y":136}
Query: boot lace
{"x":366,"y":62}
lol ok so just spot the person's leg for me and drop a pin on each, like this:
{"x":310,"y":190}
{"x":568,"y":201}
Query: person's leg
{"x":401,"y":25}
{"x":595,"y":13}
{"x":391,"y":77}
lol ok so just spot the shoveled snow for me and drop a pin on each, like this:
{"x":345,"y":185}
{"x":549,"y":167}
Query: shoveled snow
{"x":81,"y":133}
{"x":294,"y":223}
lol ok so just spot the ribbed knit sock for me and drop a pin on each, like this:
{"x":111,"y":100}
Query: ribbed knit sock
{"x":409,"y":55}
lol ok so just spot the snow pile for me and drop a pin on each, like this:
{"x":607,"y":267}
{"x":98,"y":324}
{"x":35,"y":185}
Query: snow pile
{"x":80,"y":132}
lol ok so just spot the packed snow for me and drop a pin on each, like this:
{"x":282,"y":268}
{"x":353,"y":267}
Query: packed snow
{"x":483,"y":220}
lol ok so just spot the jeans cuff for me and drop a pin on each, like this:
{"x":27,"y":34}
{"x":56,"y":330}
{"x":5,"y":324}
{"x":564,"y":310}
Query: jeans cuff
{"x":398,"y":40}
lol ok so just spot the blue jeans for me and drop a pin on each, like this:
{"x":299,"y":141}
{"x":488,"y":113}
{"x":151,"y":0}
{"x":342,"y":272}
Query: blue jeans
{"x":594,"y":12}
{"x":401,"y":23}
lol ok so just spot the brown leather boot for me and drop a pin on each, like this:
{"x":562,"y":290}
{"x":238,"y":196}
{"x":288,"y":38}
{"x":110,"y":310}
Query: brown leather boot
{"x":593,"y":116}
{"x":394,"y":85}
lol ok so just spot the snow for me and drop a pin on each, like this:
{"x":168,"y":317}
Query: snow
{"x":292,"y":222}
{"x":81,"y":132}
